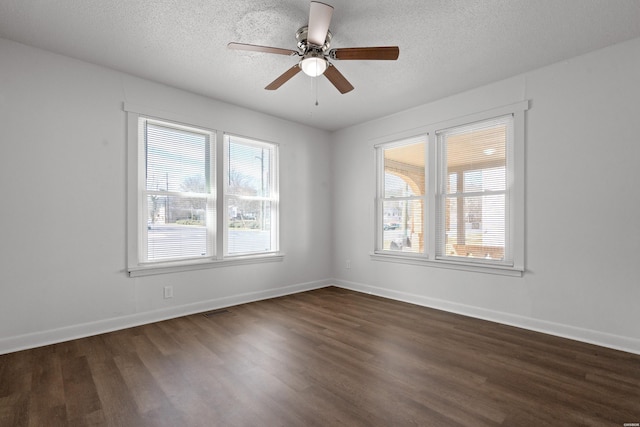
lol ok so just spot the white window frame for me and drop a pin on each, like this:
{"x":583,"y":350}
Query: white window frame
{"x":136,"y":207}
{"x":432,"y":212}
{"x":143,"y":191}
{"x":380,"y":198}
{"x":273,"y":197}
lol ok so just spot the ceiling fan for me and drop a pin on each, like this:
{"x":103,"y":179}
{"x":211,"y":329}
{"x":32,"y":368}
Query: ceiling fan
{"x":313,"y":47}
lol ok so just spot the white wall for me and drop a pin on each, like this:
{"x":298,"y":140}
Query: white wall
{"x":63,"y":213}
{"x":582,"y":204}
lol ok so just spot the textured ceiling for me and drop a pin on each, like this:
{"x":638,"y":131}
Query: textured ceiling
{"x":446,"y":46}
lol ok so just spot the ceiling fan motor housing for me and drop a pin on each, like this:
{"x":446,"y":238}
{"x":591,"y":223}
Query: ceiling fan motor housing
{"x":303,"y":44}
{"x":313,"y":62}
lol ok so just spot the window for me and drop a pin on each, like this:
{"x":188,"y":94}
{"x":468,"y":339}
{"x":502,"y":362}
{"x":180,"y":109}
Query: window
{"x":403,"y":200}
{"x":453,"y":195}
{"x":473,"y":222}
{"x":178,"y":199}
{"x":251,"y":198}
{"x":198,"y":198}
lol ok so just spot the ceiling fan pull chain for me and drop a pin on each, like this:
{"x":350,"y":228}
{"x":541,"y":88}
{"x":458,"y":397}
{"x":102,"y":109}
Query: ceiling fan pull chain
{"x":314,"y":90}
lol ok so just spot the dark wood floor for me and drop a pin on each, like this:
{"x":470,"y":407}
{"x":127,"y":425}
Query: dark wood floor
{"x":326,"y":357}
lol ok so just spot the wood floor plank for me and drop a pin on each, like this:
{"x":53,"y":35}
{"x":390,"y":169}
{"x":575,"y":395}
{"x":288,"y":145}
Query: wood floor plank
{"x":188,"y":390}
{"x":47,"y":398}
{"x":80,"y":386}
{"x":146,"y":393}
{"x":16,"y":373}
{"x":320,"y":358}
{"x":14,"y":409}
{"x":115,"y":396}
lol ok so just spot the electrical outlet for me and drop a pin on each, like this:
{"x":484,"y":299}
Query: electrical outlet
{"x":168,"y":292}
{"x":347,"y":264}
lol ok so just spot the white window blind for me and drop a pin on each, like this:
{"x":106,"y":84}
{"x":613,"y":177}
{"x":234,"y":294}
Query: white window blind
{"x":251,"y":198}
{"x":474,"y":191}
{"x":178,"y":192}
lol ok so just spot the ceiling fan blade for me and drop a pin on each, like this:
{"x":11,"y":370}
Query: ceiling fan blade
{"x":337,"y":79}
{"x":283,"y":78}
{"x":390,"y":53}
{"x":266,"y":49}
{"x":319,"y":20}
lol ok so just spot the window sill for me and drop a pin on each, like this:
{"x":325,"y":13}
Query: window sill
{"x":453,"y":265}
{"x":180,"y":266}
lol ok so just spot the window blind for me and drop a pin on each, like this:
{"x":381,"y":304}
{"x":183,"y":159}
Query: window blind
{"x":473,"y":202}
{"x":178,"y":192}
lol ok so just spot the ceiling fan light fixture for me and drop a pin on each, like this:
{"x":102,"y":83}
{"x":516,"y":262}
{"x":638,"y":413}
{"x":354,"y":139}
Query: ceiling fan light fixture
{"x":314,"y":66}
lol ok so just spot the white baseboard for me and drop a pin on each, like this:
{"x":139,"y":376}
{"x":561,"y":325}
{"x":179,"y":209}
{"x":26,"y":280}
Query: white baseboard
{"x":602,"y":339}
{"x":53,"y":336}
